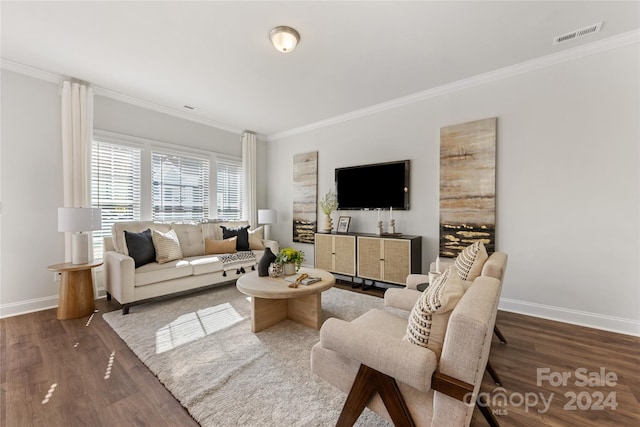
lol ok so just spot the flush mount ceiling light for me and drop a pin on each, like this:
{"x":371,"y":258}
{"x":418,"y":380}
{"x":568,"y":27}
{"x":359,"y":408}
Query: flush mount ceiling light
{"x":284,"y":38}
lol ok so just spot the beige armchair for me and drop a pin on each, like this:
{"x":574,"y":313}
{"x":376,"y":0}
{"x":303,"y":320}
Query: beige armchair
{"x":369,"y":359}
{"x":494,"y":266}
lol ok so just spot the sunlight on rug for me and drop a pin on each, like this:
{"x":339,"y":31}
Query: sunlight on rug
{"x":193,"y":326}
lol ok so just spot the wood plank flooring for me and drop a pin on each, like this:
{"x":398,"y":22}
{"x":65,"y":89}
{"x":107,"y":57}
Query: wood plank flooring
{"x":79,"y":373}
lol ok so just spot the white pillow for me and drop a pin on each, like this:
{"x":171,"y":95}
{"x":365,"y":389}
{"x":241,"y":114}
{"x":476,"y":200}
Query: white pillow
{"x":255,"y":239}
{"x":167,"y":246}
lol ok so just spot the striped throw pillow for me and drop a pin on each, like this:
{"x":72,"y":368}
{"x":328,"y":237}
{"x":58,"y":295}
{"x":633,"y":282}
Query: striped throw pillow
{"x":469,"y":262}
{"x":429,"y":317}
{"x":167,"y":246}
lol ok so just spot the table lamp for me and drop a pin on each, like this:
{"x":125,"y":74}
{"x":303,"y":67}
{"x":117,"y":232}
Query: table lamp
{"x":77,"y":221}
{"x":267,"y":217}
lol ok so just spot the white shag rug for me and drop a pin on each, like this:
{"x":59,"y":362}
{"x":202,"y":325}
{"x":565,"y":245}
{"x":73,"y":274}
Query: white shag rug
{"x":202,"y":349}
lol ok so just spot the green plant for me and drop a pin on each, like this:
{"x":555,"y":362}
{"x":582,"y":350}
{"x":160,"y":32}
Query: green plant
{"x":329,"y":203}
{"x":290,"y":255}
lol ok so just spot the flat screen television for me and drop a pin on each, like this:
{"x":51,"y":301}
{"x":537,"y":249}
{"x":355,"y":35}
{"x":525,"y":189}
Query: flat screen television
{"x":380,"y":185}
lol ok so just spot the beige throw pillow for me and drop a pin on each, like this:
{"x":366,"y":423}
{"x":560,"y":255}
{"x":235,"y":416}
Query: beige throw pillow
{"x":469,"y":262}
{"x":428,"y":320}
{"x":215,"y":247}
{"x":255,"y":239}
{"x":167,"y":246}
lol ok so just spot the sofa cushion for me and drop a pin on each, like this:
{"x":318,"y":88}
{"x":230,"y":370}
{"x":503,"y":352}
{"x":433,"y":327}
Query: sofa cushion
{"x":428,"y":320}
{"x":205,"y":264}
{"x":242,"y":244}
{"x":255,"y":239}
{"x":140,"y":247}
{"x":226,"y":246}
{"x":469,"y":262}
{"x":118,"y":229}
{"x":191,"y":238}
{"x":154,"y":272}
{"x":167,"y":246}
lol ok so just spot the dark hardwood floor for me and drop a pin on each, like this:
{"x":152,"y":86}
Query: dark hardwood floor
{"x":79,"y":373}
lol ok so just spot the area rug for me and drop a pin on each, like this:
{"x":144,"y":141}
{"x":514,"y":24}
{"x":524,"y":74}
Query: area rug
{"x":202,"y":349}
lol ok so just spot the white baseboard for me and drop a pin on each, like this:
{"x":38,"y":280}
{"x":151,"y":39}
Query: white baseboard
{"x":28,"y":306}
{"x":575,"y":317}
{"x":37,"y":304}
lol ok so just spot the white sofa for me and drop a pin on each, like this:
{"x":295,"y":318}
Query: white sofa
{"x":130,"y":285}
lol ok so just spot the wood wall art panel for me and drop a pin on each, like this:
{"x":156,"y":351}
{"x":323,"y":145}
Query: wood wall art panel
{"x":467,"y":185}
{"x":305,"y":196}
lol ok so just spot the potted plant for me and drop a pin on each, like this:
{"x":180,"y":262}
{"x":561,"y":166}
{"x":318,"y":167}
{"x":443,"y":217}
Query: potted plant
{"x":290,"y":259}
{"x":328,"y":204}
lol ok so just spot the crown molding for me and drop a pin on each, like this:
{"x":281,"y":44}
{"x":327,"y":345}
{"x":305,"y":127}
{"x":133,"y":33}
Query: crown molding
{"x":501,"y":73}
{"x":36,"y":73}
{"x":39,"y":74}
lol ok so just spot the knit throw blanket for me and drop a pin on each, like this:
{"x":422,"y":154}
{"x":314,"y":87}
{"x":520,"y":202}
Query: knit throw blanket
{"x":238,"y":261}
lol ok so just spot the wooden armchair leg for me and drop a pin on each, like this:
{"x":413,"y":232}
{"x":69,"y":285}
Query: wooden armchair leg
{"x":486,"y":412}
{"x":499,"y":335}
{"x":367,"y":383}
{"x":493,"y":373}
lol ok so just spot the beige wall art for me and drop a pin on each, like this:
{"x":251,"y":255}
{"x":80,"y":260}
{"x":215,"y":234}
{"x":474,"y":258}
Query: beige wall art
{"x":305,"y":196}
{"x":467,"y":186}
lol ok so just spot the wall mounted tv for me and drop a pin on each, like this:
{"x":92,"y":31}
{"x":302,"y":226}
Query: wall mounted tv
{"x":380,"y":185}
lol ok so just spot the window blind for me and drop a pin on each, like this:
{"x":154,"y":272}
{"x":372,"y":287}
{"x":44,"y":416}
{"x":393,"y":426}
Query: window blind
{"x":115,"y":187}
{"x":229,"y":189}
{"x":180,"y":187}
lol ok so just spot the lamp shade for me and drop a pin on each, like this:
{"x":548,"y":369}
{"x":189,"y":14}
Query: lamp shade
{"x":267,"y":216}
{"x":79,"y":219}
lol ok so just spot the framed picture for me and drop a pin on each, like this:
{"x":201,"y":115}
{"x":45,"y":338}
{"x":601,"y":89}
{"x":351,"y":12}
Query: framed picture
{"x":343,"y":224}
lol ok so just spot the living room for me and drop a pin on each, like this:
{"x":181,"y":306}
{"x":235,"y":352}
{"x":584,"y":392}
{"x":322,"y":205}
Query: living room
{"x":567,"y":166}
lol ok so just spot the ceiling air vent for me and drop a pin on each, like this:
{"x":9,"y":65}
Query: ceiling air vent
{"x":578,"y":33}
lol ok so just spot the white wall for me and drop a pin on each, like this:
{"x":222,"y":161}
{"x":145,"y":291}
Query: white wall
{"x":31,"y":178}
{"x":31,"y":193}
{"x":568,"y":187}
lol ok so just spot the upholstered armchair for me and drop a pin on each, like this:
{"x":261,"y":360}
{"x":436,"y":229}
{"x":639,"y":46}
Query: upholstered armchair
{"x":408,"y":384}
{"x":406,"y":298}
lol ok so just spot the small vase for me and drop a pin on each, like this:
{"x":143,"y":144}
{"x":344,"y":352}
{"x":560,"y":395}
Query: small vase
{"x":288,"y":268}
{"x":275,"y":269}
{"x":267,"y":258}
{"x":328,"y":224}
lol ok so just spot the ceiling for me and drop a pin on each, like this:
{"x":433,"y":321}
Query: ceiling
{"x":217,"y":57}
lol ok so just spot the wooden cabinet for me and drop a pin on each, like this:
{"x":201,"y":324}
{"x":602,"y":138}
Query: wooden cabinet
{"x":384,"y":259}
{"x":389,"y":259}
{"x":336,"y":253}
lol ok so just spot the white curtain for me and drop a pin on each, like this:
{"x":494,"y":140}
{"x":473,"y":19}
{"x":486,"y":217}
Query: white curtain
{"x":77,"y":135}
{"x":249,"y":208}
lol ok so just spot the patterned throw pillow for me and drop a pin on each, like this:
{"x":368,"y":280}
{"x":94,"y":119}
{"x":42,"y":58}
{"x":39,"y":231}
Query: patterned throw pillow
{"x":167,"y":246}
{"x":470,"y":261}
{"x":428,"y":320}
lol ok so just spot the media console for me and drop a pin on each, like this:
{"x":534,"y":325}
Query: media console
{"x":377,"y":258}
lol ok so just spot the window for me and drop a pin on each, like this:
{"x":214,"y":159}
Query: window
{"x":180,"y":187}
{"x":134,"y":179}
{"x":115,"y":186}
{"x":229,"y":189}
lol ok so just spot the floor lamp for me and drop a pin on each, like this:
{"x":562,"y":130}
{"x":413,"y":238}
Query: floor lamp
{"x":78,"y":221}
{"x":267,"y":217}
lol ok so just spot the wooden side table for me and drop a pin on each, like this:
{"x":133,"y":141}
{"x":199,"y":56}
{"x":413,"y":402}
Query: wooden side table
{"x":76,"y":289}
